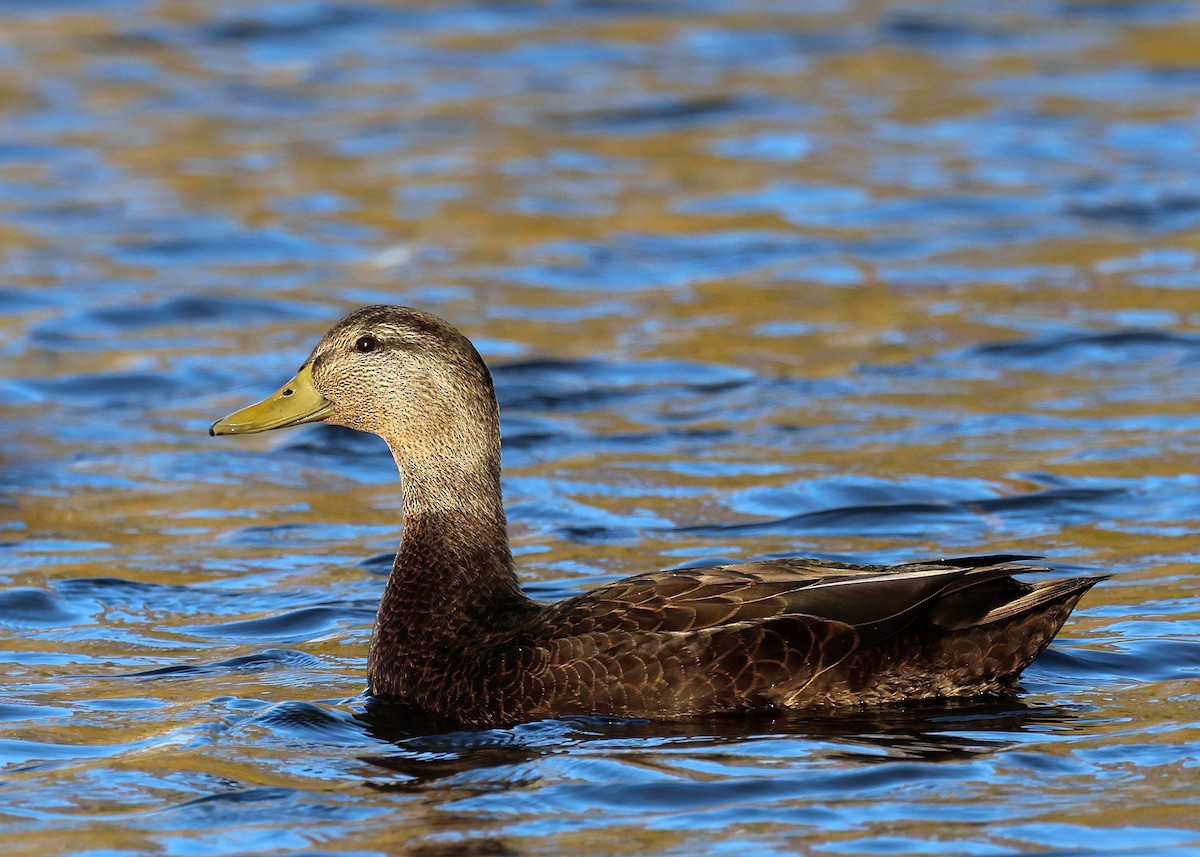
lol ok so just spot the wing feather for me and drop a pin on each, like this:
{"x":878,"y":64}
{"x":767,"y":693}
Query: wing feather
{"x":877,"y":601}
{"x":748,"y":636}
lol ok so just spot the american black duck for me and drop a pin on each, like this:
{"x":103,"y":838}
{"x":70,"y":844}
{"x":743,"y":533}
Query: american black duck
{"x":457,"y":639}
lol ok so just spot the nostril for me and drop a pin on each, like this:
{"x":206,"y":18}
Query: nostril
{"x":287,"y":392}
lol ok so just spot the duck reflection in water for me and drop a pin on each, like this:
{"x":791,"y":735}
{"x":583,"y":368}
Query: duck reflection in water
{"x":931,"y":731}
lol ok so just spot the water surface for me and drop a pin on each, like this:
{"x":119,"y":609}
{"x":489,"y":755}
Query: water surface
{"x":863,"y":280}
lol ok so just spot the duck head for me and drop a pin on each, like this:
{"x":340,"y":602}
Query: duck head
{"x":403,"y":374}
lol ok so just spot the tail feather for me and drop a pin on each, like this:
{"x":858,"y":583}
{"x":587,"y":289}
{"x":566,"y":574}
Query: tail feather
{"x":991,"y":594}
{"x":1043,"y":595}
{"x":987,"y":654}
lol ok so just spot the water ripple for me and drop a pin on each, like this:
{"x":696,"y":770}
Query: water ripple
{"x":856,"y":280}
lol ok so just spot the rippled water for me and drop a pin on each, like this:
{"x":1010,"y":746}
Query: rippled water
{"x":855,"y":279}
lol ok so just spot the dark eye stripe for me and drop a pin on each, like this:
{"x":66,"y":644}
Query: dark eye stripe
{"x":366,"y":343}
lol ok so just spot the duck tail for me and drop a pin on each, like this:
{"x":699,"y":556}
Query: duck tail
{"x":1062,"y":593}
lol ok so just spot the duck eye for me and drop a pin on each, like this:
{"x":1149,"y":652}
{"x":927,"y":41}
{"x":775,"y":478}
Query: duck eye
{"x":366,"y":344}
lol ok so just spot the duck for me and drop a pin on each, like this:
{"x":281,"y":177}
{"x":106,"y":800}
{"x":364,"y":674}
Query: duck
{"x":456,"y":639}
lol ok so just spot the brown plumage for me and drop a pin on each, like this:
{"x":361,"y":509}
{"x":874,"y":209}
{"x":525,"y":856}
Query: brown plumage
{"x":456,"y":637}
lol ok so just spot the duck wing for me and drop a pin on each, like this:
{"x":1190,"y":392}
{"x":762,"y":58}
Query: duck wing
{"x":876,"y":601}
{"x":740,"y":637}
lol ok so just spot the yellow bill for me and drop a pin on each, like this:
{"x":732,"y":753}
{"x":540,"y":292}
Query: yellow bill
{"x":294,"y":403}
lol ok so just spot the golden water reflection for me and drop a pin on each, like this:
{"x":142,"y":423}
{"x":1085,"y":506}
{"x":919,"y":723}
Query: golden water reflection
{"x":803,"y":267}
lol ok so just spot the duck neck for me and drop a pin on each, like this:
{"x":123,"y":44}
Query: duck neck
{"x":453,"y":582}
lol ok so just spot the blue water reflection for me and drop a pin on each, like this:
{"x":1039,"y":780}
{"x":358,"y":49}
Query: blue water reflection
{"x":851,"y":280}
